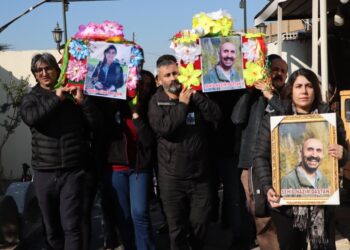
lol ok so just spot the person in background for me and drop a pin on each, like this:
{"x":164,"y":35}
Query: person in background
{"x":298,"y":224}
{"x":180,"y":118}
{"x":247,"y":116}
{"x":126,"y":146}
{"x":60,"y":142}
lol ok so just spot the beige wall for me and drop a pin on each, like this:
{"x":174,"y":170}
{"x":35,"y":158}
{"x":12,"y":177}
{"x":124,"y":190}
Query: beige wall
{"x":18,"y":147}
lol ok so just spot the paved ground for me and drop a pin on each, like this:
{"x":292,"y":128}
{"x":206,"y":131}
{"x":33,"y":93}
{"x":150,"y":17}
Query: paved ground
{"x":218,"y":239}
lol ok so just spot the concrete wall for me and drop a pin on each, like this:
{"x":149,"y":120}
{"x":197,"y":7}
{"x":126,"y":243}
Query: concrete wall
{"x":17,"y":149}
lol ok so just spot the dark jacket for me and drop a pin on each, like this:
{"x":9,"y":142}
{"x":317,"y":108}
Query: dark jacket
{"x":262,"y":157}
{"x":114,"y":75}
{"x":110,"y":142}
{"x":225,"y":140}
{"x":182,"y":134}
{"x":247,"y":114}
{"x":60,"y":129}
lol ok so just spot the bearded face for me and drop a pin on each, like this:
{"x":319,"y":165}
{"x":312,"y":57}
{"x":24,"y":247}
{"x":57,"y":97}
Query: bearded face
{"x":312,"y":154}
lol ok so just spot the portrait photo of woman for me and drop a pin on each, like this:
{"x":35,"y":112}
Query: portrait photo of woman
{"x":108,"y":74}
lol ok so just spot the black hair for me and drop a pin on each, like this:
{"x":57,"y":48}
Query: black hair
{"x":110,"y":47}
{"x":309,"y":75}
{"x":166,"y":60}
{"x":273,"y":57}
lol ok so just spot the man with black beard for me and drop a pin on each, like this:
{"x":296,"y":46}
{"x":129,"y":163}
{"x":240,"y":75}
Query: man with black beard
{"x":307,"y":173}
{"x":223,"y":71}
{"x":181,"y":119}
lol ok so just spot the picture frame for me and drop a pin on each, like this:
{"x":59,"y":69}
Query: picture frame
{"x":114,"y":77}
{"x":213,"y":77}
{"x":302,"y":171}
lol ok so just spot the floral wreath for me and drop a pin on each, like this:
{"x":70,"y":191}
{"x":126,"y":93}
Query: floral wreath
{"x":74,"y":65}
{"x":185,"y":44}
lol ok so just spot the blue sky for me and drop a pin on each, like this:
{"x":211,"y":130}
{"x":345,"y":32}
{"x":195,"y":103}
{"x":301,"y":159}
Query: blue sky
{"x":154,"y":22}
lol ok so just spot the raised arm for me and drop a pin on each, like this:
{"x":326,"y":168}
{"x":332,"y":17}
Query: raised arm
{"x":35,"y":108}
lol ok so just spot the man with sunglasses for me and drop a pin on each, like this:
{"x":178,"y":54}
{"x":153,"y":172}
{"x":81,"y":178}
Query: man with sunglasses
{"x":60,"y":120}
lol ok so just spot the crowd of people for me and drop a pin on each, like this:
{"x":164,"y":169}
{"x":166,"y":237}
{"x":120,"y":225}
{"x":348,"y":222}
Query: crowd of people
{"x":194,"y":142}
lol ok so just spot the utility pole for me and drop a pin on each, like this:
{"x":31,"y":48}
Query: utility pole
{"x":243,"y":5}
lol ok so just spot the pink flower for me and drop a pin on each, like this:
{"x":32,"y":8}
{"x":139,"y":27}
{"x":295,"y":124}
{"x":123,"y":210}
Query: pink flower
{"x":76,"y":70}
{"x":100,"y":31}
{"x":112,"y":28}
{"x":133,"y":78}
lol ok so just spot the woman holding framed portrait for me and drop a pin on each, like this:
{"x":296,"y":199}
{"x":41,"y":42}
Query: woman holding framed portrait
{"x":299,"y":223}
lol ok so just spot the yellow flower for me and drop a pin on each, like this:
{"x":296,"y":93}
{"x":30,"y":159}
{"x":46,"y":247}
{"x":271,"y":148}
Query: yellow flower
{"x":188,"y":36}
{"x":225,"y":25}
{"x":189,"y":76}
{"x":254,"y":35}
{"x":252,"y":73}
{"x":202,"y":21}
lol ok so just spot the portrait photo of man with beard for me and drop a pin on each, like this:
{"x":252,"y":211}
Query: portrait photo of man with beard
{"x":221,"y":63}
{"x":307,"y":173}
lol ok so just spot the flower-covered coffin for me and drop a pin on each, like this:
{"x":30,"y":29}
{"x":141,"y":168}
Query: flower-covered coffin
{"x":100,"y":61}
{"x":212,"y":58}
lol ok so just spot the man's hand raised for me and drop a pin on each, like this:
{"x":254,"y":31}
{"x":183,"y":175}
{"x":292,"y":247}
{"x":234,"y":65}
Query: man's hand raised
{"x":185,"y":95}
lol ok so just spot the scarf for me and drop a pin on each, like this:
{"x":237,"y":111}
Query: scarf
{"x":311,"y":219}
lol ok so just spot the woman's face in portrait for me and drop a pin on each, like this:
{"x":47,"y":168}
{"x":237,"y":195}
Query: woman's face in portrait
{"x":303,"y":94}
{"x":110,"y":55}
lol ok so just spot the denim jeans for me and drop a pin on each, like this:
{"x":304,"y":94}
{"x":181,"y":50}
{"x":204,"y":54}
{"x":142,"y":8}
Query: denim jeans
{"x":133,"y":216}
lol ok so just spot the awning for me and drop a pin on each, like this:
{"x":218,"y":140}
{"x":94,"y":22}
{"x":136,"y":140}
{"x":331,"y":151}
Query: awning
{"x":292,"y":9}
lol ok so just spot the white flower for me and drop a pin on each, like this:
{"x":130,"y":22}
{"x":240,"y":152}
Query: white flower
{"x":188,"y":53}
{"x":216,"y":15}
{"x":249,"y":50}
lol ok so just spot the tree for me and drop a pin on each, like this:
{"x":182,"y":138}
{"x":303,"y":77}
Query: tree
{"x":14,"y":91}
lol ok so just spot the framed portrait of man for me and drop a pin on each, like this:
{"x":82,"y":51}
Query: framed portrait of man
{"x":107,"y":69}
{"x":222,"y":65}
{"x":302,"y":171}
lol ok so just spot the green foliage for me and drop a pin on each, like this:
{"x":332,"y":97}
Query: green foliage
{"x":14,"y":90}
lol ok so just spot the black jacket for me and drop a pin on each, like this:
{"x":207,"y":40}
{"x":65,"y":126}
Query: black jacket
{"x":114,"y":76}
{"x":247,"y":114}
{"x":60,"y":129}
{"x":110,"y":143}
{"x":262,"y":157}
{"x":182,"y":134}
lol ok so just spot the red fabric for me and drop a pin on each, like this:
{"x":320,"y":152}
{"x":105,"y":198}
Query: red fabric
{"x":131,"y":136}
{"x":119,"y":168}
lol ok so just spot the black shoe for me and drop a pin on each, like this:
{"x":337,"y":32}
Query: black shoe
{"x":163,"y":229}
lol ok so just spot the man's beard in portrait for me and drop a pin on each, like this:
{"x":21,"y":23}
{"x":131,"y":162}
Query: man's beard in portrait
{"x":174,"y":88}
{"x":308,"y":169}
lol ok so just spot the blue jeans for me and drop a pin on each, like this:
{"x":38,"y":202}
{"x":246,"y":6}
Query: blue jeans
{"x":133,"y":216}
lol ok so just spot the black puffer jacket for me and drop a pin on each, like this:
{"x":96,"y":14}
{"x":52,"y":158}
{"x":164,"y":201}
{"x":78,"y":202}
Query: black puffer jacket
{"x":59,"y":129}
{"x":262,"y":157}
{"x":182,"y":134}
